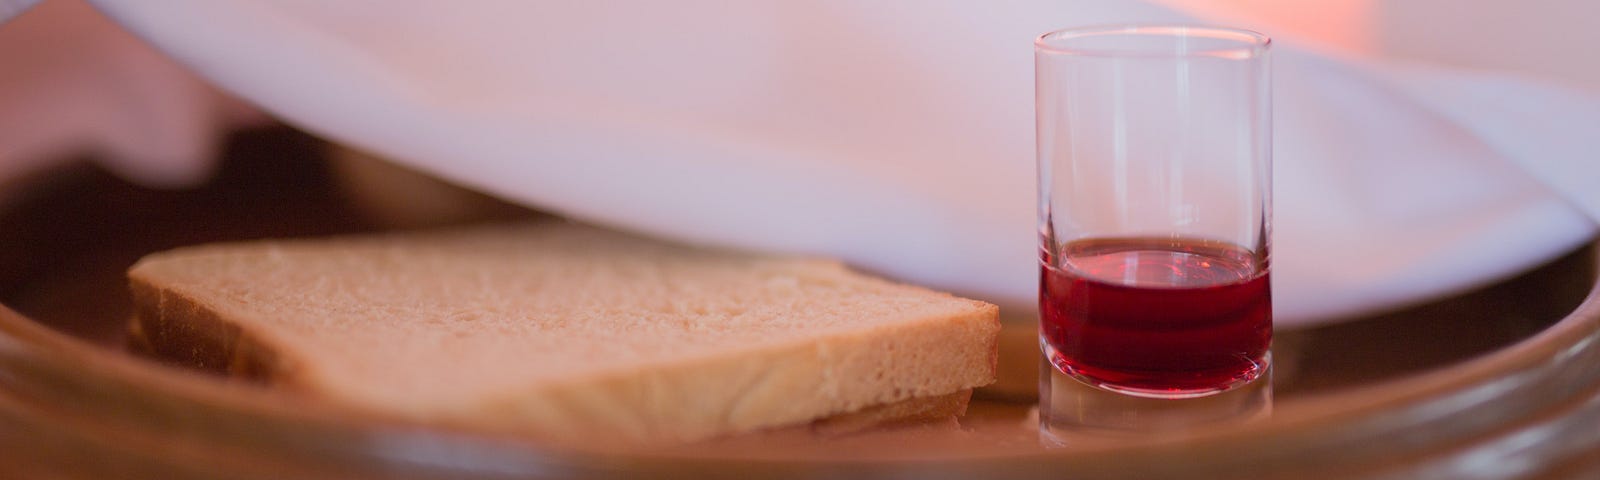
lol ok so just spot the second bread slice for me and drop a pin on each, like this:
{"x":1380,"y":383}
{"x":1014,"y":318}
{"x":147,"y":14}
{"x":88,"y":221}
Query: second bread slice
{"x":560,"y":330}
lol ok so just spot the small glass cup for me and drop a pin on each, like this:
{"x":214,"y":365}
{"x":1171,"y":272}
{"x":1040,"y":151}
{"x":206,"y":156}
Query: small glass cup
{"x":1155,"y":201}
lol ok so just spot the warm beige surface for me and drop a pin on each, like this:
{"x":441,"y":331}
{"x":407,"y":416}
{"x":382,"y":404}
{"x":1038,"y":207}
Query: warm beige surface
{"x":557,"y":329}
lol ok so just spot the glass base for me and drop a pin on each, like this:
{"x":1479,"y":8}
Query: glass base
{"x":1070,"y":407}
{"x":1230,"y":382}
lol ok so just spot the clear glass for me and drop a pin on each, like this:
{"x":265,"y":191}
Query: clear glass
{"x":1155,"y":194}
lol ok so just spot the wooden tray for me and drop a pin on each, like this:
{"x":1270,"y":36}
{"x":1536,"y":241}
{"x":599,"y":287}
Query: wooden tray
{"x":1500,"y":382}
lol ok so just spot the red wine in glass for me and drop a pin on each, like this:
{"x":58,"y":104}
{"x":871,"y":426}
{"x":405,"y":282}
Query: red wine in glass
{"x":1157,"y":317}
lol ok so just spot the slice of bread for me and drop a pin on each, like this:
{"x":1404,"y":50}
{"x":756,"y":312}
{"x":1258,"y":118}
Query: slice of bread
{"x":558,"y":330}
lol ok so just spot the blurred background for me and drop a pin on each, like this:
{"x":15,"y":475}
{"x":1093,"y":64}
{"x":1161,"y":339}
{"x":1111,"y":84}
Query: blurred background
{"x":72,"y":82}
{"x":1551,"y":39}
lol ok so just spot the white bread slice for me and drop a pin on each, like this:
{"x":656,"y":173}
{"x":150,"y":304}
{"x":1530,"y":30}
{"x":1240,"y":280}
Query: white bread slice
{"x":559,"y":330}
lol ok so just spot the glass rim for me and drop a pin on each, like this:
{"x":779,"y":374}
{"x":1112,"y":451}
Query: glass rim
{"x":1242,"y":44}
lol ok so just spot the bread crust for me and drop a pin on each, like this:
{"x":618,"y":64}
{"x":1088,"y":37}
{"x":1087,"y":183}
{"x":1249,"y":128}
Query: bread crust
{"x":173,"y":328}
